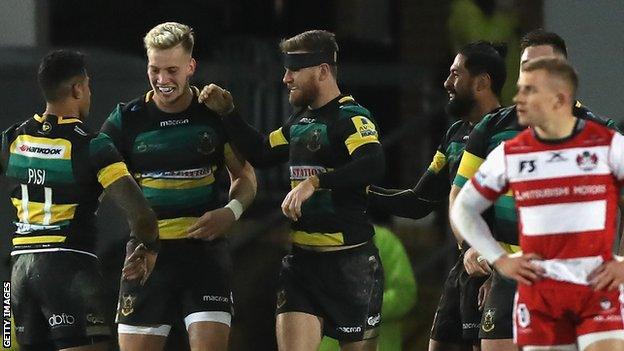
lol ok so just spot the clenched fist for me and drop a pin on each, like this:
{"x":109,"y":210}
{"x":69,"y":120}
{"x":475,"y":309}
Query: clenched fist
{"x":217,"y":99}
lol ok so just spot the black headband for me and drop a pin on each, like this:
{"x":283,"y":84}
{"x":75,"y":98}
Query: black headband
{"x":295,"y":62}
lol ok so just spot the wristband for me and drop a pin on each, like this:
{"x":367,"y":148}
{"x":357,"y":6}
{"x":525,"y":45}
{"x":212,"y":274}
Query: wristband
{"x":236,"y":207}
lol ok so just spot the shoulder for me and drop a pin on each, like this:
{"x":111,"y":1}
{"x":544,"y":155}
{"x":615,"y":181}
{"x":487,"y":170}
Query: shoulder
{"x":519,"y":142}
{"x":348,"y":108}
{"x":493,"y":120}
{"x":582,"y":111}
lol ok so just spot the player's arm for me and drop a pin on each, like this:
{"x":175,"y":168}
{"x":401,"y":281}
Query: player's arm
{"x":610,"y":275}
{"x":424,"y":197}
{"x":215,"y":223}
{"x":141,"y":218}
{"x":259,"y":150}
{"x":365,"y":167}
{"x":113,"y":175}
{"x":475,"y":197}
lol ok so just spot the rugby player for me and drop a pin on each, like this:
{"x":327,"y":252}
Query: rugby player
{"x":56,"y":170}
{"x":474,"y":84}
{"x":496,"y":323}
{"x":332,"y":281}
{"x":176,"y":148}
{"x":565,"y":174}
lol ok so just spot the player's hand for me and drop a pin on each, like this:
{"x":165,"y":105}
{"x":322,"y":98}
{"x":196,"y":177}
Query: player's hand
{"x":609,"y":275}
{"x":291,"y":206}
{"x":139,"y":262}
{"x":520,"y":267}
{"x":475,"y":264}
{"x":212,"y":225}
{"x":217,"y":99}
{"x":484,"y":292}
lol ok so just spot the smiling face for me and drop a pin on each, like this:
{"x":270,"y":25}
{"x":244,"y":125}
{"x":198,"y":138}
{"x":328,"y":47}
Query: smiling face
{"x":169,"y":71}
{"x":459,"y":88}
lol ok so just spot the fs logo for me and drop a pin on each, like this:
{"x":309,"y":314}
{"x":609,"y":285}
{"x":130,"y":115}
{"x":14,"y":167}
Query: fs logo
{"x":528,"y":166}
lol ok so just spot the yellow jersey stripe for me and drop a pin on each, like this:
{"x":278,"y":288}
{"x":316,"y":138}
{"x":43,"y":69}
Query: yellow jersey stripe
{"x":510,"y":248}
{"x":365,"y":133}
{"x":107,"y":175}
{"x":36,"y":211}
{"x":175,"y":228}
{"x":38,"y":118}
{"x":317,"y":239}
{"x":345,"y":99}
{"x":40,"y":239}
{"x":67,"y":120}
{"x":438,"y":162}
{"x":277,"y":138}
{"x":469,"y":165}
{"x":355,"y":140}
{"x":159,"y":183}
{"x":228,"y":153}
{"x":148,"y":96}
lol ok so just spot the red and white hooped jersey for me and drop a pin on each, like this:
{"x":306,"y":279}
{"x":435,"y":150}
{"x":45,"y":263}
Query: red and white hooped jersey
{"x":566,"y":192}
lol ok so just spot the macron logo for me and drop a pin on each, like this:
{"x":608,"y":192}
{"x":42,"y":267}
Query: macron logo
{"x":174,"y":122}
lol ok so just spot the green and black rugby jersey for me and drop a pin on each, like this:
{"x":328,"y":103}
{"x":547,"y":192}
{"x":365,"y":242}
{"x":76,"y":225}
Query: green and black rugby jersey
{"x":174,"y":157}
{"x":319,"y":141}
{"x":488,"y":134}
{"x":56,"y":170}
{"x":433,"y":187}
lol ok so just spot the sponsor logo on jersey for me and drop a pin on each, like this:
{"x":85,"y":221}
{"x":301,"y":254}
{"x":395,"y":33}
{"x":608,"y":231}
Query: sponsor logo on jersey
{"x":80,"y":131}
{"x":488,"y":320}
{"x":605,"y":304}
{"x":350,"y":330}
{"x":206,"y":143}
{"x":127,"y":304}
{"x":40,"y":150}
{"x":281,"y":298}
{"x":366,"y":128}
{"x":215,"y":298}
{"x":527,"y":166}
{"x":27,"y":228}
{"x":374,"y":320}
{"x":174,"y":122}
{"x":195,"y":173}
{"x":61,"y":320}
{"x":306,"y":120}
{"x":95,"y":319}
{"x":556,"y":156}
{"x":305,"y":172}
{"x":587,"y":160}
{"x":46,"y":128}
{"x":524,"y":317}
{"x":314,"y":142}
{"x":468,"y":326}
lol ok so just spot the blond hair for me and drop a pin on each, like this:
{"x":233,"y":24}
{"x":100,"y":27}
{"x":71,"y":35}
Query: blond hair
{"x":557,"y":67}
{"x":168,"y":35}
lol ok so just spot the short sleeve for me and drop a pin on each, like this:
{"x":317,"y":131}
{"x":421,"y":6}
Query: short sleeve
{"x":358,"y":131}
{"x":491,"y":178}
{"x":105,"y":160}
